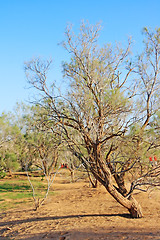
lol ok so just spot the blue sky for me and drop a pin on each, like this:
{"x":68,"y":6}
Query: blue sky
{"x":31,"y":28}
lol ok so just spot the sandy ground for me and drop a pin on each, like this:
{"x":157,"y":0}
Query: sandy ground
{"x":78,"y":212}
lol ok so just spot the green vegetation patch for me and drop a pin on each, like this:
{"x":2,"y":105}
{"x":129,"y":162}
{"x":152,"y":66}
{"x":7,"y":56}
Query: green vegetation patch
{"x":15,"y":191}
{"x":9,"y":187}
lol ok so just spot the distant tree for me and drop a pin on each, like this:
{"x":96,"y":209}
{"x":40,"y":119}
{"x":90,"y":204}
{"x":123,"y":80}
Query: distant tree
{"x":7,"y":129}
{"x":106,"y":113}
{"x":8,"y":133}
{"x":36,"y":145}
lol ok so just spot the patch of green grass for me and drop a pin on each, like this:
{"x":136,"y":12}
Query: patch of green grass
{"x":9,"y":187}
{"x":19,"y":185}
{"x":15,"y":195}
{"x":17,"y":191}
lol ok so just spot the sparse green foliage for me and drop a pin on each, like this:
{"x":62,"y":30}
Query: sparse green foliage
{"x":108,"y":118}
{"x":107,"y":113}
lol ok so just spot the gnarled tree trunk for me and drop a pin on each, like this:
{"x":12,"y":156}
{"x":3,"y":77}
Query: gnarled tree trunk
{"x":135,"y":210}
{"x":130,"y":203}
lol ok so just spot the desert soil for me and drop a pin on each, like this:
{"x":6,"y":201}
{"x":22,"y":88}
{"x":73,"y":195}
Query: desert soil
{"x":79,"y":212}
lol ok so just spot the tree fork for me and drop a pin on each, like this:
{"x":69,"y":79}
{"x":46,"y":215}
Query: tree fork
{"x":130,"y":203}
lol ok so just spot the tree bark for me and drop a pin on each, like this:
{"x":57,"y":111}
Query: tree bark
{"x":72,"y":175}
{"x":92,"y":182}
{"x":107,"y":181}
{"x":10,"y":172}
{"x":121,"y":185}
{"x":135,"y":210}
{"x":130,"y":203}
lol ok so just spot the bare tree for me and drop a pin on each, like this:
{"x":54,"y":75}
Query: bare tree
{"x":108,"y":96}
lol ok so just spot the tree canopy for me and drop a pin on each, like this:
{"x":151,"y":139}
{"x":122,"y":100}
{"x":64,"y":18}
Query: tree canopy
{"x":108,"y":117}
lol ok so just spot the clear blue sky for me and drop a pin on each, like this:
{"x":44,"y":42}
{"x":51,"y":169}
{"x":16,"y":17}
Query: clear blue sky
{"x":31,"y":28}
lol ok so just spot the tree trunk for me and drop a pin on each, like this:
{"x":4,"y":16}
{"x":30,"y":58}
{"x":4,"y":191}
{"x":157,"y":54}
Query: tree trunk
{"x":135,"y":210}
{"x":10,"y":172}
{"x":72,"y":175}
{"x":130,"y":203}
{"x":92,"y":182}
{"x":104,"y":175}
{"x":121,"y":185}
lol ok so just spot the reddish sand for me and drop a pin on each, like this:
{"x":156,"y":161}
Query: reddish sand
{"x":78,"y":212}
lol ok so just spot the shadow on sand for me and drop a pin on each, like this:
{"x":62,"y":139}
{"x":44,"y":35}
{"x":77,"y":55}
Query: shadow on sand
{"x":38,"y":219}
{"x":118,"y":234}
